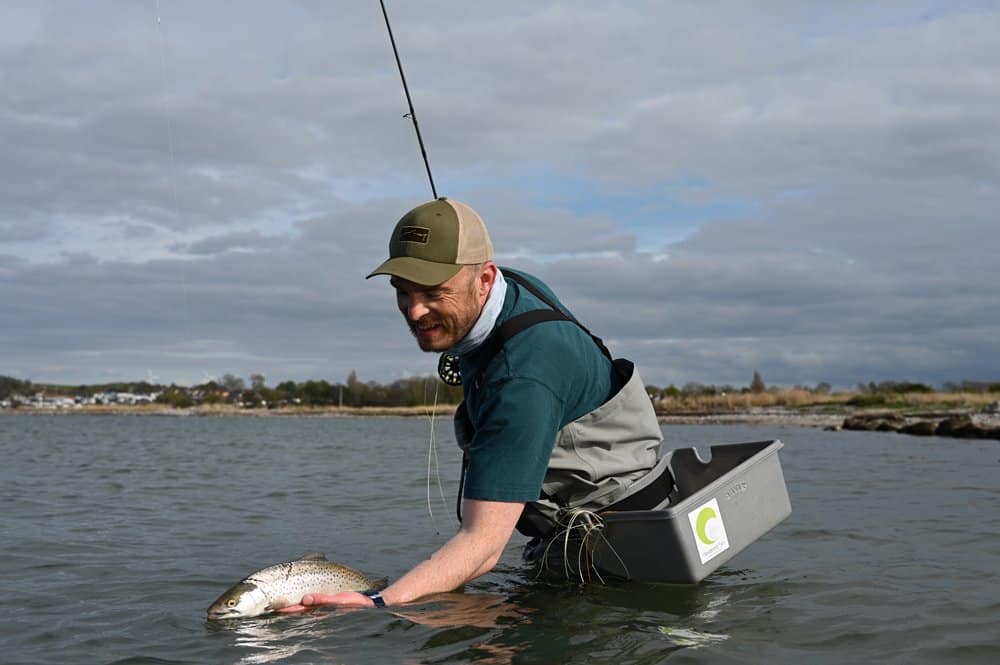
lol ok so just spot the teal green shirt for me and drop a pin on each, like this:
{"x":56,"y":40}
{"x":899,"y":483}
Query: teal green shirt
{"x":543,"y":378}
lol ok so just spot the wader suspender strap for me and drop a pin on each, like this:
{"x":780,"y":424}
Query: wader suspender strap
{"x":530,"y":320}
{"x":512,"y":327}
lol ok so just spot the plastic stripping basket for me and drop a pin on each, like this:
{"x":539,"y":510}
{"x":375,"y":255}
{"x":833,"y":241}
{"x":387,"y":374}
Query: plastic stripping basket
{"x":718,"y":507}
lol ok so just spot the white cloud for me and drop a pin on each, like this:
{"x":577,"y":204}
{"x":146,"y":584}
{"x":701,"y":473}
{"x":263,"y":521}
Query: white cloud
{"x":714,"y":191}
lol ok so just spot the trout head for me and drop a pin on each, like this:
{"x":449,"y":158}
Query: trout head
{"x":243,"y":600}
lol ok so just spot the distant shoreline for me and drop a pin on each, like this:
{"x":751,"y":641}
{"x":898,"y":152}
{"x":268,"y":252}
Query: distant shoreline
{"x":775,"y":416}
{"x":752,"y":417}
{"x":231,"y":410}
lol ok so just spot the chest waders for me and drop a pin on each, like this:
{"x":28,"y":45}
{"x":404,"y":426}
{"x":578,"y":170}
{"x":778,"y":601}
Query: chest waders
{"x":604,"y":460}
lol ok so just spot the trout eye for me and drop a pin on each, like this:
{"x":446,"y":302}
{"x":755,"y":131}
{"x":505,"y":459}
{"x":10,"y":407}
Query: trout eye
{"x":231,"y":602}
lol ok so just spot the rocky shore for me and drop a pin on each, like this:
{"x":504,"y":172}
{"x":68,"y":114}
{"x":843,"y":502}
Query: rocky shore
{"x":955,"y":425}
{"x":960,"y":424}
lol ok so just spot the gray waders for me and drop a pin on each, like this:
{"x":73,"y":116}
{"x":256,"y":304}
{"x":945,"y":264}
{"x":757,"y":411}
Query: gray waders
{"x":607,"y":459}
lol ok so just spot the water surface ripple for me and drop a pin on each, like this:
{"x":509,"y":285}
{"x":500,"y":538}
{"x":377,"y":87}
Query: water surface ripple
{"x":117,"y":532}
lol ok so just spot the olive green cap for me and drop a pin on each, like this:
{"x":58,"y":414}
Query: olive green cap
{"x":432,"y":242}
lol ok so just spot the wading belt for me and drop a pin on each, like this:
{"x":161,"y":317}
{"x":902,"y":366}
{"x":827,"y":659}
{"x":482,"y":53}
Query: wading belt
{"x":532,"y":522}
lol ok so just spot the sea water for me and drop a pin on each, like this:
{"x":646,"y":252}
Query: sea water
{"x":117,"y":532}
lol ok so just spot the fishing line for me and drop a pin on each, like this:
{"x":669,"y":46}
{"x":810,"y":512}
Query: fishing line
{"x":163,"y":81}
{"x":432,"y":456}
{"x":172,"y":184}
{"x":580,"y":530}
{"x":412,"y":115}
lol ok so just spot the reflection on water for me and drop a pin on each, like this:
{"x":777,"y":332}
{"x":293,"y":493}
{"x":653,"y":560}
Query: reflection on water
{"x":532,"y":622}
{"x":478,"y":610}
{"x":467,"y":622}
{"x":688,"y":637}
{"x":595,"y":623}
{"x":267,"y":640}
{"x":117,"y":532}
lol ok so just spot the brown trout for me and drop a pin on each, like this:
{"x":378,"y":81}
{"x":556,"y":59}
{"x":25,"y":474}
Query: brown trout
{"x":284,"y":584}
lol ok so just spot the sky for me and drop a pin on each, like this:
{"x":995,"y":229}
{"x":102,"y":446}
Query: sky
{"x":808,"y":190}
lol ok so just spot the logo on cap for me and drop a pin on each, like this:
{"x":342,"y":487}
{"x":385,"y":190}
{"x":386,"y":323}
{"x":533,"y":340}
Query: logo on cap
{"x":417,"y":234}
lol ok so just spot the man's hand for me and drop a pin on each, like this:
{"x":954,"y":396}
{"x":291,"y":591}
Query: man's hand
{"x":342,"y":599}
{"x":473,"y":551}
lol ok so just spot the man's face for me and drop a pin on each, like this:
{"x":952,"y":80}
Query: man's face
{"x":441,"y":316}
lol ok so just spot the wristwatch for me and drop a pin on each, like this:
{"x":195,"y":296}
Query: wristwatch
{"x":376,"y":598}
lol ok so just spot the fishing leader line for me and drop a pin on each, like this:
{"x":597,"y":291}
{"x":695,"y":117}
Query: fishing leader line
{"x":432,"y":456}
{"x":171,"y":182}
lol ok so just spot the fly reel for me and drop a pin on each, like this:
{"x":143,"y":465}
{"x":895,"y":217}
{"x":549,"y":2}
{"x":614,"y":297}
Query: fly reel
{"x":448,"y":369}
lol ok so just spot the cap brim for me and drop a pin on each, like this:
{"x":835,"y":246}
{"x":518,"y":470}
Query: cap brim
{"x":419,"y":271}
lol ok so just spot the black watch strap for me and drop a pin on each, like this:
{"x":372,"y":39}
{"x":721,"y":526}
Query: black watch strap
{"x":376,"y":598}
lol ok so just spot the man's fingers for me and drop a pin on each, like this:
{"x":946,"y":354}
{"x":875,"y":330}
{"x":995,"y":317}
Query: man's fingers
{"x":311,"y":600}
{"x":343,"y":599}
{"x":317,"y":599}
{"x":293,"y":608}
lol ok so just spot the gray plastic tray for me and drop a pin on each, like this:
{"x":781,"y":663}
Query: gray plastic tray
{"x":717,"y":509}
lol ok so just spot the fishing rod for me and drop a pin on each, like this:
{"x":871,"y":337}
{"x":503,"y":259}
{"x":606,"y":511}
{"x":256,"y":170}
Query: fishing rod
{"x":412,"y":115}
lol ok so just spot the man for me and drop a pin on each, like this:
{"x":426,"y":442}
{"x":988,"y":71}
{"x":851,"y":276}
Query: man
{"x":550,"y":423}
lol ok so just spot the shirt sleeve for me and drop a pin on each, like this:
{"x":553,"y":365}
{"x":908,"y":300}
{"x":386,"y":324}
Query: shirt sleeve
{"x":516,"y":429}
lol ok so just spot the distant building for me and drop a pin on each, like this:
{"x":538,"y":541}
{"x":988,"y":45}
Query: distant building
{"x":41,"y":400}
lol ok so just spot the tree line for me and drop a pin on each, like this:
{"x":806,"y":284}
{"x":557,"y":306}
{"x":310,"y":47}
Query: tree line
{"x":230,"y":389}
{"x":255,"y":393}
{"x":413,"y":391}
{"x":757,"y":385}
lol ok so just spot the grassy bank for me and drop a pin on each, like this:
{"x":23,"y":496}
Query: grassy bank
{"x":807,"y":401}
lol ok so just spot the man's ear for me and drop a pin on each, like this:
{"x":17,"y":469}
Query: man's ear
{"x":487,"y":277}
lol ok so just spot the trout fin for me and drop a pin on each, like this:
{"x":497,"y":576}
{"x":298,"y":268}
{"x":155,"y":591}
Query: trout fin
{"x":277,"y":604}
{"x":312,"y":556}
{"x":377,"y":585}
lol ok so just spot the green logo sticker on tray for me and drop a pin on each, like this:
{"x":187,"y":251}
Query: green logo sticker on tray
{"x":709,"y":531}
